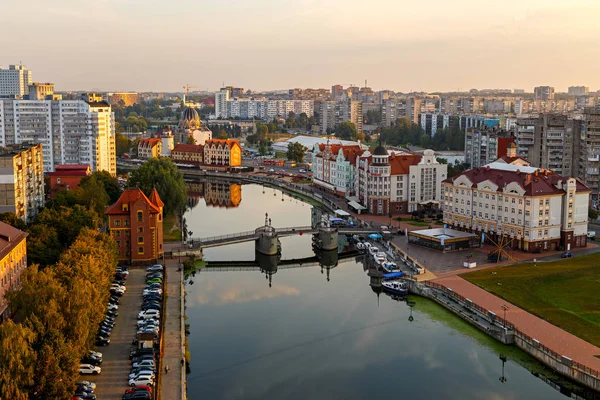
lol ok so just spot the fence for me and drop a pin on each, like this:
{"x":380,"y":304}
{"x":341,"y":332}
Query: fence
{"x":530,"y":345}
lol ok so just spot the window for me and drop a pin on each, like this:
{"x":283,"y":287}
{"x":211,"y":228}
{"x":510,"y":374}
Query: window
{"x":140,"y":239}
{"x":117,"y":222}
{"x":57,"y":180}
{"x":141,"y":229}
{"x":118,"y":233}
{"x":140,"y":216}
{"x":118,"y":243}
{"x":126,"y":222}
{"x":141,"y":250}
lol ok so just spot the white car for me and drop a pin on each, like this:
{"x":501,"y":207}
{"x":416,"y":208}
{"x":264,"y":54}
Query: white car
{"x":148,"y":323}
{"x":142,"y":373}
{"x":143,"y":363}
{"x":118,"y":287}
{"x":302,"y":171}
{"x":87,"y":369}
{"x":149,"y":314}
{"x":112,"y":307}
{"x":141,"y":381}
{"x":96,"y":354}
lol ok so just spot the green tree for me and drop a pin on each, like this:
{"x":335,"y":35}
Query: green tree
{"x":191,"y":140}
{"x":162,"y":174}
{"x":272,"y":127}
{"x":43,"y":245}
{"x":302,"y":121}
{"x":223,"y":135}
{"x":111,"y":184}
{"x":12,"y":219}
{"x":346,"y":130}
{"x":123,"y":144}
{"x":295,"y":152}
{"x":593,"y":214}
{"x":93,"y":195}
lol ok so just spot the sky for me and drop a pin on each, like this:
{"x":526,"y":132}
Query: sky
{"x":401,"y":45}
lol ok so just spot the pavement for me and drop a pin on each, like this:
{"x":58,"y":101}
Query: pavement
{"x":170,"y":383}
{"x":547,"y":334}
{"x":116,"y":366}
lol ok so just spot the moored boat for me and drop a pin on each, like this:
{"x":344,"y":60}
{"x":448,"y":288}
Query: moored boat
{"x":395,"y":287}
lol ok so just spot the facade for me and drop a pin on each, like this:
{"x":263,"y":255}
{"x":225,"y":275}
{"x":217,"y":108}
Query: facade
{"x":413,"y":108}
{"x":391,"y":110}
{"x":123,"y":98}
{"x":260,"y":108}
{"x":589,"y":152}
{"x":13,"y":261}
{"x":14,"y":82}
{"x":333,"y":167}
{"x":149,"y":148}
{"x":336,"y":112}
{"x":221,"y":99}
{"x":535,"y":210}
{"x":136,"y":224}
{"x":432,"y":122}
{"x":483,"y":146}
{"x":188,"y":154}
{"x":402,"y":188}
{"x":40,"y":91}
{"x":578,"y":90}
{"x":22,"y":180}
{"x":67,"y":177}
{"x":372,"y":181}
{"x":425,"y":182}
{"x":543,"y":93}
{"x":71,"y":131}
{"x":222,"y":154}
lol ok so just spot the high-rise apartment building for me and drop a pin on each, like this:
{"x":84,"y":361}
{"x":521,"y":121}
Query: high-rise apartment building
{"x":578,"y":90}
{"x":353,"y":112}
{"x":589,"y":151}
{"x":432,"y":122}
{"x":543,"y":93}
{"x":337,"y":91}
{"x":15,"y":81}
{"x":221,"y":98}
{"x":261,"y":108}
{"x":336,"y":112}
{"x":22,"y":180}
{"x":485,"y":145}
{"x":412,"y":109}
{"x":71,"y":131}
{"x":391,"y":110}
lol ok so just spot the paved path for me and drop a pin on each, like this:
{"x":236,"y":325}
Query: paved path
{"x":112,"y":382}
{"x":547,"y":334}
{"x":170,"y":383}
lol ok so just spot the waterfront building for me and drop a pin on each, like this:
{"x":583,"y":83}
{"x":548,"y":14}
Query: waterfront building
{"x":424,"y":181}
{"x":13,"y":261}
{"x":333,"y":166}
{"x":71,"y":131}
{"x":149,"y":148}
{"x":67,"y":177}
{"x":222,"y":154}
{"x":484,"y":145}
{"x":534,"y":209}
{"x":15,"y":81}
{"x":136,"y":224}
{"x":372,"y":184}
{"x":188,"y":154}
{"x":22,"y":180}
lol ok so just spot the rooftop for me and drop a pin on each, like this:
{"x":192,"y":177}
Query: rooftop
{"x":9,"y":237}
{"x":443,"y":233}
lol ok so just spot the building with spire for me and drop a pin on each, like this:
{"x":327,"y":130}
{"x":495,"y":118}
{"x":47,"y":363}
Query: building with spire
{"x":190,"y":127}
{"x":135,"y":222}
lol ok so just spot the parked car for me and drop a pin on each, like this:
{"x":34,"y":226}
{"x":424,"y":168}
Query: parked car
{"x":140,"y":389}
{"x":140,"y":395}
{"x":112,"y":307}
{"x":154,"y":280}
{"x":85,"y":395}
{"x":91,"y":360}
{"x":86,"y":369}
{"x":154,"y":275}
{"x":102,"y":341}
{"x":86,"y":383}
{"x":135,"y":375}
{"x":144,"y":363}
{"x":144,"y":380}
{"x":155,"y":267}
{"x":83,"y":388}
{"x":149,"y":314}
{"x":566,"y":255}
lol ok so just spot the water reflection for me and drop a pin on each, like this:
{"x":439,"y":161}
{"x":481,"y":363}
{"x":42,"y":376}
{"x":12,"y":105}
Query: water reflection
{"x":215,"y":193}
{"x":309,"y":337}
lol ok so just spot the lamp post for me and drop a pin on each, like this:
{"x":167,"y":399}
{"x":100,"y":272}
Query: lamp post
{"x":504,"y":308}
{"x":503,"y":359}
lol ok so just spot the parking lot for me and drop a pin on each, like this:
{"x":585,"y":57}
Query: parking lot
{"x":112,"y":382}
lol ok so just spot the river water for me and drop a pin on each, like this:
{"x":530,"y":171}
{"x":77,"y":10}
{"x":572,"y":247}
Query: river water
{"x":310,"y":337}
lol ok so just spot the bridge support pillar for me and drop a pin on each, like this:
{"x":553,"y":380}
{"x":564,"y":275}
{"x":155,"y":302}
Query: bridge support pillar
{"x":268,"y":244}
{"x":327,"y":238}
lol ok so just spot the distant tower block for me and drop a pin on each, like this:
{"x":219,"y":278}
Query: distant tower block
{"x":267,"y":241}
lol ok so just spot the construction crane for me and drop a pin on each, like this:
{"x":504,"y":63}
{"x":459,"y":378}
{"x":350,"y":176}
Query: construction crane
{"x":188,"y":87}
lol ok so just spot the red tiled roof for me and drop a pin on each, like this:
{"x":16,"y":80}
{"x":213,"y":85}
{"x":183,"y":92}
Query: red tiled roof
{"x":129,"y":196}
{"x":229,"y":142}
{"x":151,"y":142}
{"x":188,"y":148}
{"x":350,"y":152}
{"x":401,"y":163}
{"x":71,"y":170}
{"x":539,"y":183}
{"x":155,"y":198}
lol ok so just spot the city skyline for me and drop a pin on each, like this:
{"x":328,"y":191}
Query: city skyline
{"x":266,"y":45}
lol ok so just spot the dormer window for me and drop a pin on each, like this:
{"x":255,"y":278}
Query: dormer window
{"x":125,"y":207}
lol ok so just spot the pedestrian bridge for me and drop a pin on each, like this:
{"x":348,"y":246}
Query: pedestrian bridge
{"x":249,"y":236}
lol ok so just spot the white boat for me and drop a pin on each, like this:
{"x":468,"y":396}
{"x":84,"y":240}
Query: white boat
{"x":373,"y":250}
{"x":360,"y":246}
{"x":395,"y":287}
{"x":390,"y":266}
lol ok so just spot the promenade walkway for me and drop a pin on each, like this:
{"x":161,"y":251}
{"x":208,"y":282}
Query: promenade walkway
{"x":170,"y":383}
{"x":547,"y":334}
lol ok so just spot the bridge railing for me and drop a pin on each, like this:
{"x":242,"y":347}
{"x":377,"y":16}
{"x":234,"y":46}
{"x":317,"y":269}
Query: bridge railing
{"x":294,"y":229}
{"x":223,"y":237}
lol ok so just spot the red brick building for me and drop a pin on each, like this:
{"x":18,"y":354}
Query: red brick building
{"x":67,"y":176}
{"x":136,"y":224}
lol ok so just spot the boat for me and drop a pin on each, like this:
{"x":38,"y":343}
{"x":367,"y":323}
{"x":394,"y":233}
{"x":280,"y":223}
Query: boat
{"x":360,"y":246}
{"x":392,"y":275}
{"x":395,"y":287}
{"x":390,"y":266}
{"x":373,"y":250}
{"x":380,"y":258}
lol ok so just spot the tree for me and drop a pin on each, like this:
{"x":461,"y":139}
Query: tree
{"x":346,"y":130}
{"x":14,"y":221}
{"x":17,"y":360}
{"x":43,"y":245}
{"x":191,"y":140}
{"x":272,"y":127}
{"x":111,"y":184}
{"x":593,"y":214}
{"x":123,"y":144}
{"x":162,"y":174}
{"x":295,"y":152}
{"x":302,"y":121}
{"x":223,"y":135}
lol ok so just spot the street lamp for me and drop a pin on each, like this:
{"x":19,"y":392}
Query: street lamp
{"x":504,"y":308}
{"x":503,"y":359}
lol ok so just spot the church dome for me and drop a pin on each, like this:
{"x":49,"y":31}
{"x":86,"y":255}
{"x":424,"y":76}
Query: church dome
{"x":380,"y":151}
{"x":189,"y":119}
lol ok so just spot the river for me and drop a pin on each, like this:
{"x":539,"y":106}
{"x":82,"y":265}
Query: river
{"x":310,"y":337}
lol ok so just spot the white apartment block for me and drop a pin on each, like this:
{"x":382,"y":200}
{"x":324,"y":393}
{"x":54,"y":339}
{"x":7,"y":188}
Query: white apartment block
{"x":336,"y":112}
{"x":528,"y":208}
{"x":259,"y":108}
{"x":15,"y":81}
{"x":70,"y":131}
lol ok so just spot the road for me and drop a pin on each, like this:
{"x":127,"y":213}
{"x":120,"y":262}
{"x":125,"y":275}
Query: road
{"x":112,"y":382}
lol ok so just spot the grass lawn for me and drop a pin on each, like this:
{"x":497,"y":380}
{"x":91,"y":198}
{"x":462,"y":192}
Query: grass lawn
{"x":171,"y":231}
{"x":280,"y":154}
{"x":564,"y":292}
{"x":419,"y":223}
